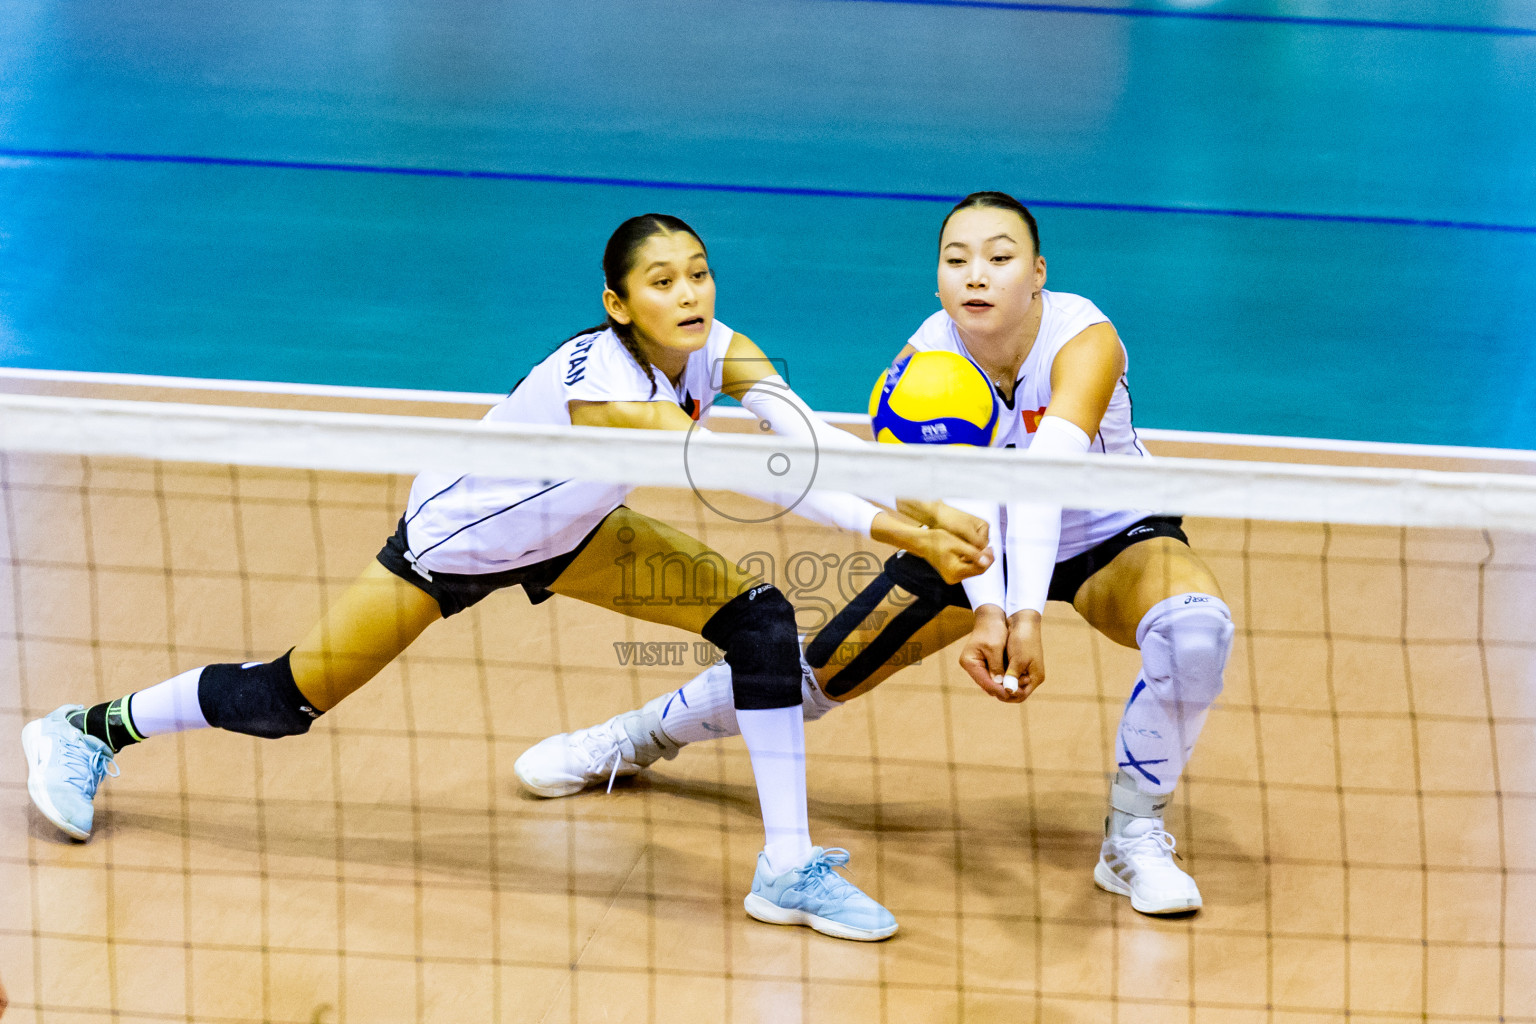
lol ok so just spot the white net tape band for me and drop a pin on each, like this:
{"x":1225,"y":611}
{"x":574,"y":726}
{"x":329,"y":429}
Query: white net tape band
{"x":355,"y":442}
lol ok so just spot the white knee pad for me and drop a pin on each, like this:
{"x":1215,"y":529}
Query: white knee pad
{"x":1185,"y":641}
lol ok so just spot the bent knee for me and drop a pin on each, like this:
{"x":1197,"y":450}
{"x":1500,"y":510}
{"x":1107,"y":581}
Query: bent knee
{"x":256,"y":698}
{"x":756,"y":630}
{"x":1185,"y":644}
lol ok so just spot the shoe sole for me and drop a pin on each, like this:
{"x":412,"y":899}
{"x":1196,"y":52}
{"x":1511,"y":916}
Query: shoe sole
{"x":1105,"y":879}
{"x":31,"y":736}
{"x":554,"y":790}
{"x":772,"y":913}
{"x":548,"y":792}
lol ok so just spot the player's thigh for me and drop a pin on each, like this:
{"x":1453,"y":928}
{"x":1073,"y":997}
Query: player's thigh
{"x":1115,"y":599}
{"x":883,"y":643}
{"x":643,"y":568}
{"x":376,"y":618}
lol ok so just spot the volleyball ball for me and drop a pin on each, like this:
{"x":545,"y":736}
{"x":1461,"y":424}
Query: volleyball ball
{"x":934,"y":398}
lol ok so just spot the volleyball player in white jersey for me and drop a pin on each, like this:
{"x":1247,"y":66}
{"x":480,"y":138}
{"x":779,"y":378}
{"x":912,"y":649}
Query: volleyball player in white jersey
{"x":1059,"y":368}
{"x":658,"y":359}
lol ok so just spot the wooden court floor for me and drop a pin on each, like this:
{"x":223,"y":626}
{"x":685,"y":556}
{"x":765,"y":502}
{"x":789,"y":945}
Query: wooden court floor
{"x":1360,"y":813}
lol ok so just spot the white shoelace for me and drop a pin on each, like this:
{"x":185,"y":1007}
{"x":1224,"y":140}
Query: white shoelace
{"x":601,"y":745}
{"x":1158,"y":843}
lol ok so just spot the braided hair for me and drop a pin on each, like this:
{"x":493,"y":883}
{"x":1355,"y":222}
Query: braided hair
{"x":619,"y":260}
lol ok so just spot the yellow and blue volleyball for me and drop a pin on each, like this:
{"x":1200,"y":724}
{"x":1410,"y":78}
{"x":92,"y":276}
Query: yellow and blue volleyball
{"x":934,"y":398}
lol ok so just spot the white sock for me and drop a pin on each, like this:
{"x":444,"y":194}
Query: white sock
{"x":1185,"y":641}
{"x":812,"y":700}
{"x":776,"y":740}
{"x":705,"y":707}
{"x":1152,"y":743}
{"x":171,"y":706}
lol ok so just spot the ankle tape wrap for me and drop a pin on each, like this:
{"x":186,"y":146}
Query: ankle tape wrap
{"x":112,"y":723}
{"x":756,"y":630}
{"x":1127,"y":799}
{"x":258,"y":699}
{"x":645,"y":732}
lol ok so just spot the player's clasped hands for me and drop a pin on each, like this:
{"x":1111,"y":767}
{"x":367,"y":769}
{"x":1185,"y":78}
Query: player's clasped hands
{"x":1005,"y":656}
{"x":955,"y":558}
{"x":955,"y":543}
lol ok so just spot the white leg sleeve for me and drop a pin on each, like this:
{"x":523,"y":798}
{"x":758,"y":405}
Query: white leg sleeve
{"x":776,"y":742}
{"x":1185,"y":641}
{"x":705,"y":708}
{"x":168,"y":707}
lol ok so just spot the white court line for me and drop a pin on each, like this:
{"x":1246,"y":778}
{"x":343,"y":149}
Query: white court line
{"x":1320,"y":444}
{"x":259,"y":387}
{"x":1325,"y":444}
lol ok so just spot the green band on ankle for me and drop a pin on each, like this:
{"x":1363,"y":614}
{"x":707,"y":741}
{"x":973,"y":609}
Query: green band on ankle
{"x":127,"y":712}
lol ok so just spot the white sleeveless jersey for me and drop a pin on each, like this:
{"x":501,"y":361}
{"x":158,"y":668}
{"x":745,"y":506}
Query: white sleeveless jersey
{"x":1063,"y":318}
{"x":480,"y":523}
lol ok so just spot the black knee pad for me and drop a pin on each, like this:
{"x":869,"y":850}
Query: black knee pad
{"x":756,"y":630}
{"x":910,"y":573}
{"x":258,"y":699}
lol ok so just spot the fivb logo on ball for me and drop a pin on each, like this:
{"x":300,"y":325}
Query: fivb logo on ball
{"x":934,"y":398}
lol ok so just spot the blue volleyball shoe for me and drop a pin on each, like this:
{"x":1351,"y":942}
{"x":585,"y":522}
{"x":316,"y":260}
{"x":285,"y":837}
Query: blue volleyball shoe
{"x":64,"y":767}
{"x":815,"y":895}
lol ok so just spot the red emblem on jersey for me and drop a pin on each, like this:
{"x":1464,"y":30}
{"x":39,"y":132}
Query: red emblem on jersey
{"x":1032,"y":419}
{"x":691,"y":407}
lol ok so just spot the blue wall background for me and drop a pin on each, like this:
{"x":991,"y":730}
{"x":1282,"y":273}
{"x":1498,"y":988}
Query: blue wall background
{"x":1305,"y":218}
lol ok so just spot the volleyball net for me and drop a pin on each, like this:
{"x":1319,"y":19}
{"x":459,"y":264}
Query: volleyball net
{"x":384,"y":444}
{"x":1376,"y":741}
{"x":85,"y":476}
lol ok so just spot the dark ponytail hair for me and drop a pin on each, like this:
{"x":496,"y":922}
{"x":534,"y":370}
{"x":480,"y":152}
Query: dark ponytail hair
{"x":995,"y":201}
{"x":619,"y":260}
